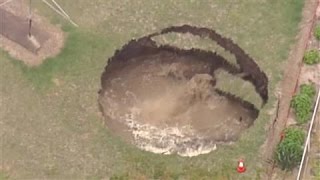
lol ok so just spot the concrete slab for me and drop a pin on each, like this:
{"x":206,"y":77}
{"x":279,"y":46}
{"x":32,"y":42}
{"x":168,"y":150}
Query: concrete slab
{"x":16,"y":29}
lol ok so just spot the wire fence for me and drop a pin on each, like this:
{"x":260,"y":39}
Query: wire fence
{"x":304,"y":160}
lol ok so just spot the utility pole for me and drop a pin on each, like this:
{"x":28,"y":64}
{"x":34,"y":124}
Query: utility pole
{"x":30,"y":17}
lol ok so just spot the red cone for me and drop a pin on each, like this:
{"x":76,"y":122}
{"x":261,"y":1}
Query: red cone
{"x":241,"y":168}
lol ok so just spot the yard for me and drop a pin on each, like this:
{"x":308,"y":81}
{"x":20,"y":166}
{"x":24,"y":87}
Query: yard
{"x":50,"y":124}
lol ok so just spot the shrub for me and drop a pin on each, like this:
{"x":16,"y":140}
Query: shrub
{"x":289,"y":150}
{"x":302,"y":103}
{"x":311,"y":57}
{"x":309,"y":90}
{"x":317,"y":32}
{"x":295,"y":135}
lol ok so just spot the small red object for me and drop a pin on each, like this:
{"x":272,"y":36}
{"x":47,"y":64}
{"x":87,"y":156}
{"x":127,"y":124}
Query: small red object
{"x":241,"y":168}
{"x":282,"y":135}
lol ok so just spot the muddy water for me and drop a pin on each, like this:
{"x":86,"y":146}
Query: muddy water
{"x":169,"y":105}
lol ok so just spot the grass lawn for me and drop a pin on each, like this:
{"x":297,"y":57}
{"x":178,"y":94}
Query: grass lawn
{"x":50,"y":125}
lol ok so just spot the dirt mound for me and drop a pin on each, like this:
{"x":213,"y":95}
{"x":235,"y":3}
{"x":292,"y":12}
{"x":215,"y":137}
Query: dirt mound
{"x":163,"y":99}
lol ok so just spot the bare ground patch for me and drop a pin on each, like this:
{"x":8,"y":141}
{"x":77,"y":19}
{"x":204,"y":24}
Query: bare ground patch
{"x":50,"y":47}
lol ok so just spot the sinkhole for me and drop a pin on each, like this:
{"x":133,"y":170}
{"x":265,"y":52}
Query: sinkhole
{"x":164,"y":99}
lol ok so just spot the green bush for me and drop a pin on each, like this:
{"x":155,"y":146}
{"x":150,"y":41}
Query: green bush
{"x":302,"y":103}
{"x":289,"y":150}
{"x":311,"y":57}
{"x":317,"y":32}
{"x":309,"y":90}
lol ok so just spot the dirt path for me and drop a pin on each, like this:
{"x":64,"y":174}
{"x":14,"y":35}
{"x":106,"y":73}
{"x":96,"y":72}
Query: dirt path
{"x":290,"y":81}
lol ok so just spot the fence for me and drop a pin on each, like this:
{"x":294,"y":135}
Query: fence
{"x":304,"y":160}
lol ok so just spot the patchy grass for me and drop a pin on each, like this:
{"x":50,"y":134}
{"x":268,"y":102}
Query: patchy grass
{"x":69,"y":62}
{"x":50,"y":123}
{"x":316,"y":167}
{"x":3,"y":176}
{"x":317,"y":32}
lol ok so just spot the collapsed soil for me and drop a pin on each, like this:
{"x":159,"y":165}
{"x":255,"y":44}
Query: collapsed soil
{"x":174,"y":108}
{"x":163,"y":99}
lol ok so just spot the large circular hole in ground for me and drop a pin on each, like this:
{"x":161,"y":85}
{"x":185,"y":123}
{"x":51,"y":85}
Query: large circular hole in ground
{"x":163,"y":99}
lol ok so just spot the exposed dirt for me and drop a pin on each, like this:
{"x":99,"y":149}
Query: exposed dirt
{"x":163,"y":99}
{"x":51,"y":45}
{"x":17,"y":29}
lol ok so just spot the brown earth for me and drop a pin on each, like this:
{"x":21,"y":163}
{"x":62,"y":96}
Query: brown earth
{"x":163,"y":99}
{"x":51,"y":44}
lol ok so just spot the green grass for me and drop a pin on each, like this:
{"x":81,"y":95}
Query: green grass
{"x":70,"y":61}
{"x":3,"y":176}
{"x":317,"y":33}
{"x":316,"y":166}
{"x":55,"y":131}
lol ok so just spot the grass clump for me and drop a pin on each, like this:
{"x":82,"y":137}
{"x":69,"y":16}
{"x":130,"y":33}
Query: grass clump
{"x":302,"y":103}
{"x":316,"y":168}
{"x":311,"y":57}
{"x":317,"y":33}
{"x":3,"y":176}
{"x":289,"y":150}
